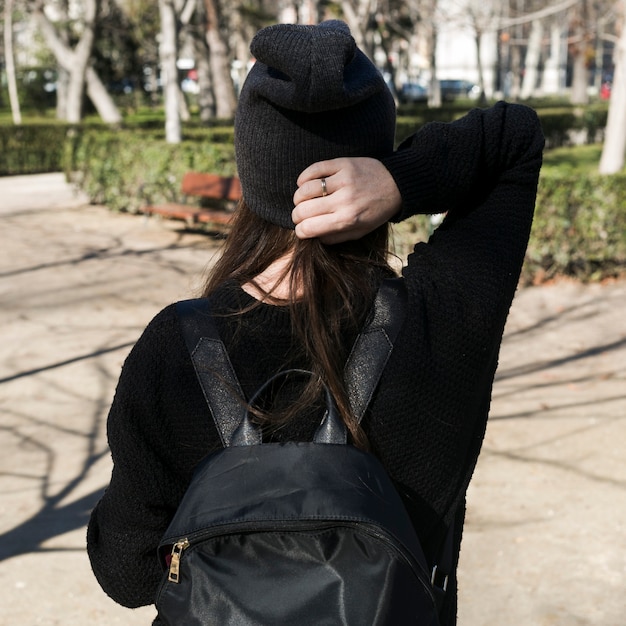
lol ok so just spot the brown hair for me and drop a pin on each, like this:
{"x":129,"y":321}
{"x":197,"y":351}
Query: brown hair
{"x":333,"y":287}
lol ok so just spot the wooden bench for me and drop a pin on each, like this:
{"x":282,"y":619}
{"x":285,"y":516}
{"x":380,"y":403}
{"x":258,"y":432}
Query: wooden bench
{"x":216,"y":197}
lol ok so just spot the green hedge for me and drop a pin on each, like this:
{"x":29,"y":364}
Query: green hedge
{"x":127,"y":169}
{"x":558,"y":123}
{"x":31,"y":149}
{"x":39,"y":147}
{"x":579,"y":228}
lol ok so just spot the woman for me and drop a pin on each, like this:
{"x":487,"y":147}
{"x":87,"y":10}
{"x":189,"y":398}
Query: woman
{"x":307,"y":251}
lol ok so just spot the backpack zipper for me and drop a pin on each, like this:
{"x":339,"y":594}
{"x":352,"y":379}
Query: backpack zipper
{"x":177,"y":550}
{"x":182,"y":544}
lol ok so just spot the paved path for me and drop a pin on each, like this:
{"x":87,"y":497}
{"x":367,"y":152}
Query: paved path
{"x":545,"y":541}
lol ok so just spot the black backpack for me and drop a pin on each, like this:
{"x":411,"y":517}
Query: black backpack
{"x":297,"y":533}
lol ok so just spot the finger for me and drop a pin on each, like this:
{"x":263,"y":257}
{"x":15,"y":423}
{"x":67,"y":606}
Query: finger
{"x":326,"y":229}
{"x":316,"y":226}
{"x":319,"y":170}
{"x":309,"y":208}
{"x":314,"y":188}
{"x":322,"y":218}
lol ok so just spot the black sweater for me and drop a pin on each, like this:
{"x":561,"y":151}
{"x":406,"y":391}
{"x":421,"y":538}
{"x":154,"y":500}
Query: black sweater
{"x":429,"y":413}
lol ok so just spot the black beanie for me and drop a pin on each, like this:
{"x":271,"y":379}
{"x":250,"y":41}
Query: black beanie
{"x":312,"y":95}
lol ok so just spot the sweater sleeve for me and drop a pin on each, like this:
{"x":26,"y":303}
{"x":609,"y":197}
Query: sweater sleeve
{"x":445,"y":166}
{"x":150,"y":473}
{"x":482,"y":171}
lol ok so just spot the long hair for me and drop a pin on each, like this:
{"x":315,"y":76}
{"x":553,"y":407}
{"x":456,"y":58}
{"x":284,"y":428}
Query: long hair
{"x":331,"y":291}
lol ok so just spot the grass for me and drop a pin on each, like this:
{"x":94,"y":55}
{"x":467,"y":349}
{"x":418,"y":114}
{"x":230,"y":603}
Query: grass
{"x":29,"y":117}
{"x":577,"y":159}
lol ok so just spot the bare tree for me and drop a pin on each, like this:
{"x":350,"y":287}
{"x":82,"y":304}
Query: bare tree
{"x":63,"y":76}
{"x":431,"y":32}
{"x":9,"y":62}
{"x":538,"y":15}
{"x":412,"y":33}
{"x":614,"y":149}
{"x":581,"y":51}
{"x":144,"y":25}
{"x":206,"y":100}
{"x":483,"y":18}
{"x":76,"y":62}
{"x":219,"y":60}
{"x":551,"y":80}
{"x":168,"y":53}
{"x":359,"y":15}
{"x":533,"y":55}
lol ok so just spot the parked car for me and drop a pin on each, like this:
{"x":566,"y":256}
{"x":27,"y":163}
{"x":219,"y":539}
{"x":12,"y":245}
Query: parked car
{"x":454,"y":88}
{"x":413,"y":92}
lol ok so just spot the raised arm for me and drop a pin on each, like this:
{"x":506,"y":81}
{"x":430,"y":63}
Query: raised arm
{"x":444,"y":167}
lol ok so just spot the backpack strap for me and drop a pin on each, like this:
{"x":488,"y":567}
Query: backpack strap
{"x":215,"y":372}
{"x":373,"y":346}
{"x":363,"y":370}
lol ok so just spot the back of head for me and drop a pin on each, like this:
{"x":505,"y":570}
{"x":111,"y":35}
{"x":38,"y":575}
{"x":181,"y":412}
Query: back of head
{"x":311,"y":95}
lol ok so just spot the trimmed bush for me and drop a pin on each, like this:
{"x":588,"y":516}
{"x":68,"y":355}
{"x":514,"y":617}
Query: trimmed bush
{"x":579,"y":228}
{"x":127,"y":169}
{"x":562,"y":126}
{"x":31,"y":149}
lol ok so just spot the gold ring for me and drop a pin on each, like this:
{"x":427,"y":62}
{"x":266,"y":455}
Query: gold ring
{"x":324,"y":192}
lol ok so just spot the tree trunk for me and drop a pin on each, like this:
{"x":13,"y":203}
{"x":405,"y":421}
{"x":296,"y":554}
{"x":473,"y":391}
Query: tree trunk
{"x":358,"y":19}
{"x":9,"y":62}
{"x":478,"y":40}
{"x":614,"y":149}
{"x":432,"y":33}
{"x":78,"y":71}
{"x":434,"y":87}
{"x":533,"y":54}
{"x":206,"y":101}
{"x":100,"y":98}
{"x":62,"y":83}
{"x":74,"y":63}
{"x":551,"y":80}
{"x":223,"y":89}
{"x":63,"y":78}
{"x":169,"y":71}
{"x":580,"y":72}
{"x":580,"y":78}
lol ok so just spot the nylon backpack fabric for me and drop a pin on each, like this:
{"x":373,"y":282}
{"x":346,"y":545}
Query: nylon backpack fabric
{"x":293,"y":532}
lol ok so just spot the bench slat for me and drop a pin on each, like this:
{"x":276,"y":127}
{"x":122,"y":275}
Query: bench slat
{"x":211,"y":186}
{"x":173,"y":211}
{"x":206,"y":186}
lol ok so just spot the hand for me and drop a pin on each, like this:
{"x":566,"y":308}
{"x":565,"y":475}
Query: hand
{"x":361,"y":195}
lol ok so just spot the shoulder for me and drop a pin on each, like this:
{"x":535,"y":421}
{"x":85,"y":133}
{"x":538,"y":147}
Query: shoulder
{"x":156,"y":339}
{"x":161,"y":324}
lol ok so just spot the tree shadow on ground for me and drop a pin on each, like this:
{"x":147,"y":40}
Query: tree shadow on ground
{"x":68,"y":508}
{"x":65,"y":508}
{"x":50,"y":521}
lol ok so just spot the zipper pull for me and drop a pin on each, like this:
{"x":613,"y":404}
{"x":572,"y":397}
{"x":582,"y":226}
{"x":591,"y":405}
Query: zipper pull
{"x":177,"y":550}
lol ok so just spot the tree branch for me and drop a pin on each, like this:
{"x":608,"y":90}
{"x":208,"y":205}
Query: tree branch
{"x":537,"y":15}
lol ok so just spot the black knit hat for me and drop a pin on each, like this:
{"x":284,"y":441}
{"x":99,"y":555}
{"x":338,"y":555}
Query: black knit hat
{"x":311,"y":95}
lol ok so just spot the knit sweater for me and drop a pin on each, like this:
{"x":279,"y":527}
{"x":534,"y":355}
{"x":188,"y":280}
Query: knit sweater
{"x":428,"y":416}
